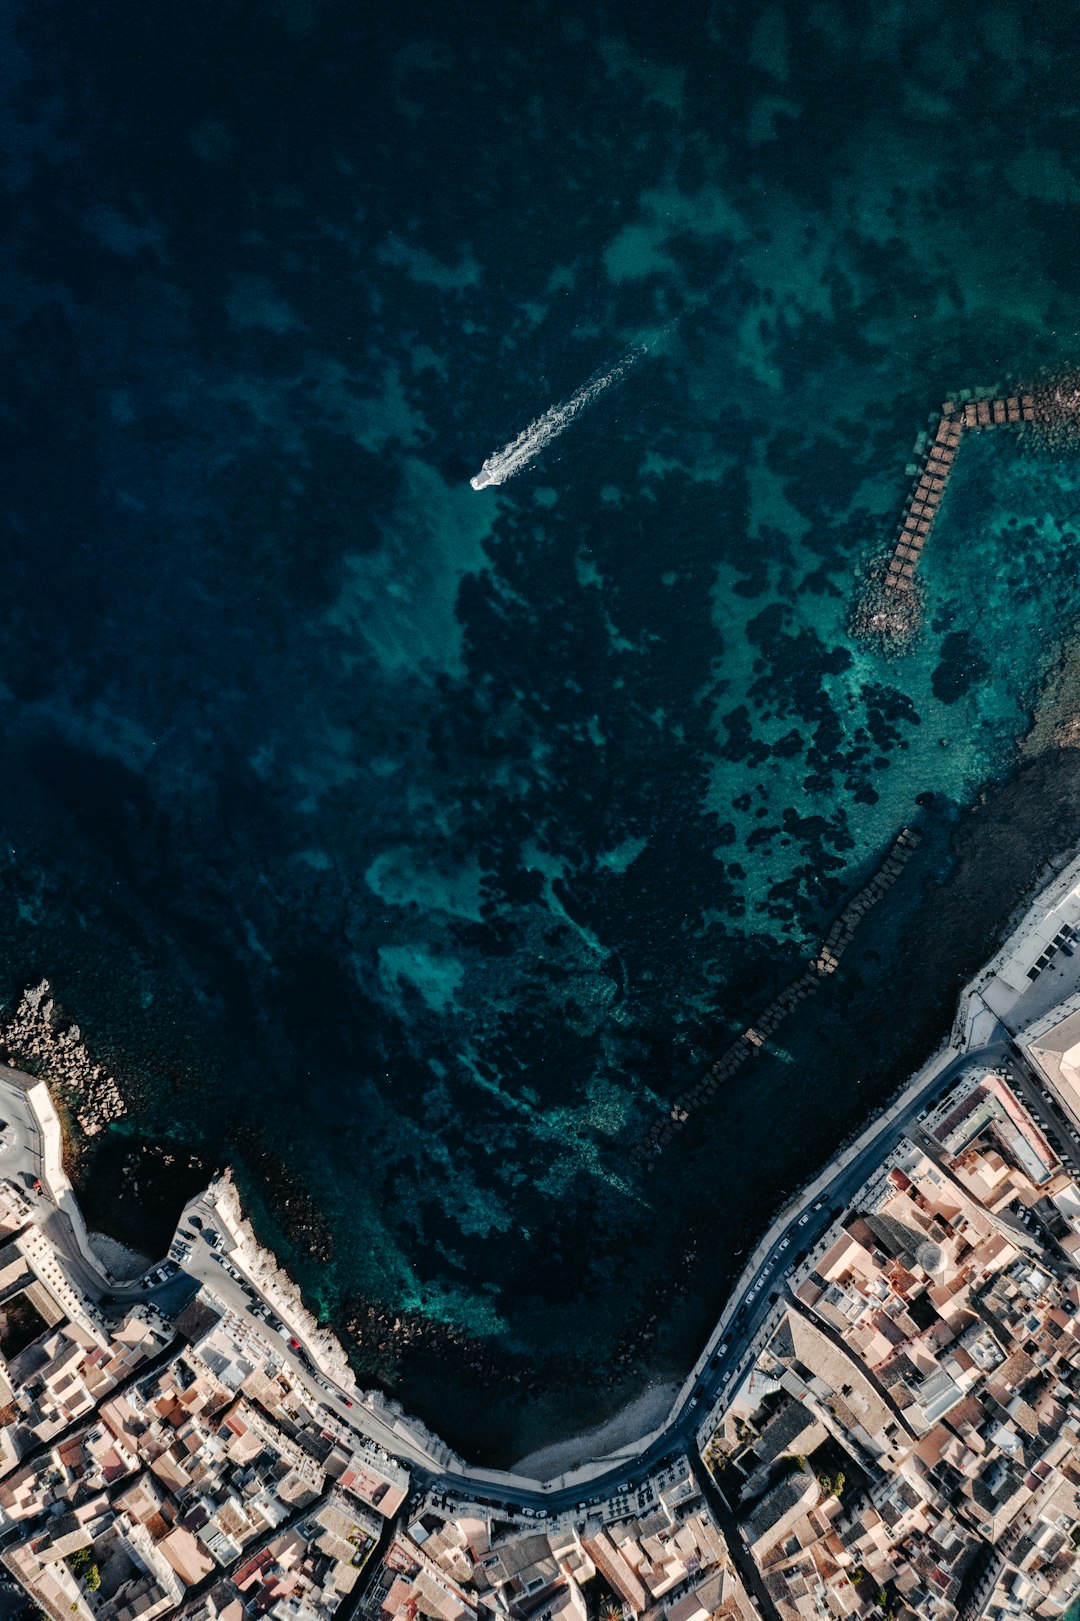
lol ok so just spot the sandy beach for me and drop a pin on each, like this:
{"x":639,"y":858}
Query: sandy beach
{"x":639,"y":1417}
{"x":119,"y":1259}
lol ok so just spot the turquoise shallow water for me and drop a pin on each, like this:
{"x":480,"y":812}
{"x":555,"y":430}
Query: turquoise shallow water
{"x":415,"y":843}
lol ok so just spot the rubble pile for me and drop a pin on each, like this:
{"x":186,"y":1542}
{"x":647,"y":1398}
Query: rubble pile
{"x":1056,"y":414}
{"x":881,"y":614}
{"x":40,"y":1040}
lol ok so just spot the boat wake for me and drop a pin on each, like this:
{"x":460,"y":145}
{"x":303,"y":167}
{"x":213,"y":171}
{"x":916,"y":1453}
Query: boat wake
{"x":529,"y":443}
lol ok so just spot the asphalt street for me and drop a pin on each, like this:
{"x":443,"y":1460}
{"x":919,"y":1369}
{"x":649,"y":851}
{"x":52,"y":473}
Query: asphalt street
{"x":202,"y":1263}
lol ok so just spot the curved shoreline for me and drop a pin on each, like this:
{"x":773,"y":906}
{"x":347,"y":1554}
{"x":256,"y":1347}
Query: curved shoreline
{"x":575,"y":1463}
{"x":425,"y":1433}
{"x":622,"y":1431}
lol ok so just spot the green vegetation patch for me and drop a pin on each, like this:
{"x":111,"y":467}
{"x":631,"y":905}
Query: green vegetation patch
{"x":83,"y":1566}
{"x":20,"y":1325}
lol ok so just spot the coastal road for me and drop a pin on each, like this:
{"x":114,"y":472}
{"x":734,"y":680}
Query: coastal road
{"x":219,"y":1269}
{"x":788,"y":1245}
{"x":203,"y":1264}
{"x":593,"y":1482}
{"x":1058,"y":1129}
{"x":621,"y":1479}
{"x":22,"y":1162}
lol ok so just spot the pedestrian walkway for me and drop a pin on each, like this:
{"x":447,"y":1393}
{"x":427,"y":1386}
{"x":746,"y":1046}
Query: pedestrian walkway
{"x":936,"y":462}
{"x":888,"y":607}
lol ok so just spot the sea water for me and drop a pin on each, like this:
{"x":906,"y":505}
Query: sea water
{"x":409,"y":846}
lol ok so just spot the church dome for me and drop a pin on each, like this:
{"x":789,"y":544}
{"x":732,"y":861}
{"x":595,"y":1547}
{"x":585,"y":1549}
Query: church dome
{"x":930,"y":1256}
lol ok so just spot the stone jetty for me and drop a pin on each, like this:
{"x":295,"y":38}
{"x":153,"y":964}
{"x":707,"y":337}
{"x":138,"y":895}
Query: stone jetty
{"x":889,"y":607}
{"x":932,"y":475}
{"x":825,"y":962}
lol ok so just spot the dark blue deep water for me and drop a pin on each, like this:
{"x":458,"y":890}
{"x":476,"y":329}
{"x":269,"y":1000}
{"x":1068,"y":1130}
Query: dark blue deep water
{"x":408,"y":845}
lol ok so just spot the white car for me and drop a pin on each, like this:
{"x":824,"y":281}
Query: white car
{"x":784,"y":1242}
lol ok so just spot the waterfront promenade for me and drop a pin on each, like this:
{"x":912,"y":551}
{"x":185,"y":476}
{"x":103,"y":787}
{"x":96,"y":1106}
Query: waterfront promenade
{"x":1001,"y":999}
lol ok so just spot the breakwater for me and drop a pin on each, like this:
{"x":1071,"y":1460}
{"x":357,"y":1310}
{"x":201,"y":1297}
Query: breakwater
{"x":936,"y":462}
{"x":38,"y":1038}
{"x":889,"y":607}
{"x":819,"y":967}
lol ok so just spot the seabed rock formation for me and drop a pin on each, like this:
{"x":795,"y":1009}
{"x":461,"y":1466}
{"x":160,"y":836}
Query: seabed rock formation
{"x":824,"y":963}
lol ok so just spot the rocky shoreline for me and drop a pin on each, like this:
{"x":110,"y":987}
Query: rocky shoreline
{"x":37,"y":1039}
{"x":889,"y":620}
{"x":279,"y":1287}
{"x":999,"y":846}
{"x":290,"y":1202}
